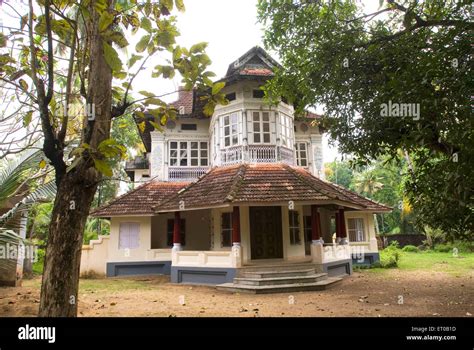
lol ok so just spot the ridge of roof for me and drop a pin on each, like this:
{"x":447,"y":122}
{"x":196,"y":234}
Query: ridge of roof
{"x":235,"y":187}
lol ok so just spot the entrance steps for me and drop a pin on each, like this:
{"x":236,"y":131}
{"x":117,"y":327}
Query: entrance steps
{"x":279,"y":279}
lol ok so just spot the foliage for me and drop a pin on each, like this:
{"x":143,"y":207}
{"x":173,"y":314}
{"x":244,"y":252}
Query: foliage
{"x":389,"y":258}
{"x":410,"y":248}
{"x":353,"y":64}
{"x":339,"y":173}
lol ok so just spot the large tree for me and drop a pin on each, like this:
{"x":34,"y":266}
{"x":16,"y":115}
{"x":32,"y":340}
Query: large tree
{"x":65,"y":54}
{"x":357,"y":65}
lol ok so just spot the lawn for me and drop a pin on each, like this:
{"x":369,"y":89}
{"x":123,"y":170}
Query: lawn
{"x":461,"y":264}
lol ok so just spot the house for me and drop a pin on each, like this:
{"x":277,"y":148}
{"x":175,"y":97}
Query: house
{"x":238,"y":195}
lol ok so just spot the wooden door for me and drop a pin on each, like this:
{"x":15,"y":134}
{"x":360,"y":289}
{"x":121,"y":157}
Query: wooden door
{"x":266,"y":233}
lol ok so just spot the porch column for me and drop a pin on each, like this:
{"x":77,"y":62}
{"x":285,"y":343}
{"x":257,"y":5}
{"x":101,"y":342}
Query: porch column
{"x":236,"y":226}
{"x":177,"y":231}
{"x":342,"y":227}
{"x":315,"y":225}
{"x":236,"y":248}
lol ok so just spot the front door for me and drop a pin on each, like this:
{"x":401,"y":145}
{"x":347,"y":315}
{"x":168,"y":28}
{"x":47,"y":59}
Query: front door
{"x":265,"y":232}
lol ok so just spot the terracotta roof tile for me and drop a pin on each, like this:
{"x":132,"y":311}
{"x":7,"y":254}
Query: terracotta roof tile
{"x":141,"y":200}
{"x":262,"y":183}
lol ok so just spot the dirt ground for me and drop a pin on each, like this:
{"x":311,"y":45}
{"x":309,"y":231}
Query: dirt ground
{"x":393,"y":293}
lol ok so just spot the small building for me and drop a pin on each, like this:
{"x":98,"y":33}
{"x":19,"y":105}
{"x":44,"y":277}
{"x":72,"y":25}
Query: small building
{"x":239,"y":192}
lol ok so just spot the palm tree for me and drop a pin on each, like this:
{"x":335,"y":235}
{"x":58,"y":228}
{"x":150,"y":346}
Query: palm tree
{"x":367,"y":183}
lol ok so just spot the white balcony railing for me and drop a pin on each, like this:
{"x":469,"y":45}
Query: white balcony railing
{"x":177,"y":173}
{"x":257,"y":154}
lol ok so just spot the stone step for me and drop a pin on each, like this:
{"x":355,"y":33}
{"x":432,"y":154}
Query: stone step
{"x":278,"y":273}
{"x":252,"y":281}
{"x":282,"y":288}
{"x":277,"y":267}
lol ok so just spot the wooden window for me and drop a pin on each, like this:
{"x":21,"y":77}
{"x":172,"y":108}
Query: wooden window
{"x":226,"y":229}
{"x":231,"y":129}
{"x":169,"y":232}
{"x":188,"y":153}
{"x":294,"y":222}
{"x":192,"y":127}
{"x":356,"y":230}
{"x":261,"y":127}
{"x":258,"y":93}
{"x":286,"y":126}
{"x":302,"y":154}
{"x":129,"y":235}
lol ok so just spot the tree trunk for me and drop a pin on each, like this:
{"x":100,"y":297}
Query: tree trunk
{"x":59,"y":289}
{"x":76,"y":190}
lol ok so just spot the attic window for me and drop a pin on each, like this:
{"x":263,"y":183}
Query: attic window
{"x":189,"y":127}
{"x":258,"y":93}
{"x":231,"y":96}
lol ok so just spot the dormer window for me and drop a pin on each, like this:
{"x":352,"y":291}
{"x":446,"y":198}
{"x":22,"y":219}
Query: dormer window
{"x":258,"y":93}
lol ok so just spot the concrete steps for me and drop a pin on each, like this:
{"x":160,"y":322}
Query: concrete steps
{"x":279,"y":279}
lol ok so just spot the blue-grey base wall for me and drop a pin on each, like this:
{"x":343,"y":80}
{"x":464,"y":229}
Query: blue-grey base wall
{"x":134,"y":268}
{"x":202,"y":275}
{"x":338,"y":268}
{"x":366,"y":260}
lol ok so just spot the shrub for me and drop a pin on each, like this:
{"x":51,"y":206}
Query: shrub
{"x":410,"y":248}
{"x":443,"y":248}
{"x":394,"y":245}
{"x":389,"y":258}
{"x":39,"y":263}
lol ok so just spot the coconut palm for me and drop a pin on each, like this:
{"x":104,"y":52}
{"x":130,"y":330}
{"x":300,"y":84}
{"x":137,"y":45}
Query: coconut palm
{"x":367,"y":183}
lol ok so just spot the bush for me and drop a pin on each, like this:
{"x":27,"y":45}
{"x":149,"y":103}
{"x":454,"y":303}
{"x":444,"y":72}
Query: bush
{"x":410,"y":249}
{"x":443,"y":248}
{"x":394,"y":245}
{"x":461,"y":246}
{"x":389,"y":257}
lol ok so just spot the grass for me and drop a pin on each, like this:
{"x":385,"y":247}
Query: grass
{"x":462,"y":264}
{"x":109,"y":284}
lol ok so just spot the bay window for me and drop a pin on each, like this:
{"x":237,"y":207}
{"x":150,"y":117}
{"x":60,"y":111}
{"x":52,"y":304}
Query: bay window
{"x":286,"y":126}
{"x":230,"y":125}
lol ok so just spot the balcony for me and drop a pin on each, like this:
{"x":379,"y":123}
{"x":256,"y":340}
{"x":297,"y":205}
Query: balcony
{"x":137,"y":163}
{"x":185,"y":174}
{"x":257,"y":154}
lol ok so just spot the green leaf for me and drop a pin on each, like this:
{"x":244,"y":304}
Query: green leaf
{"x":217,"y":87}
{"x":105,"y":20}
{"x":180,"y":5}
{"x":134,"y":60}
{"x":23,"y":84}
{"x":143,"y":43}
{"x":199,"y":47}
{"x":112,"y":58}
{"x":146,"y":24}
{"x":42,"y":164}
{"x":27,"y":118}
{"x":146,"y":93}
{"x":103,"y":167}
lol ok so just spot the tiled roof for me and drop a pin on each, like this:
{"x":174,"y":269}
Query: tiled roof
{"x":185,"y":99}
{"x":141,"y":200}
{"x":262,"y":183}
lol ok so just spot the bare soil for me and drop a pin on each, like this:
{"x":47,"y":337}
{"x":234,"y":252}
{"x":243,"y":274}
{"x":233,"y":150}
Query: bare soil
{"x":392,"y":293}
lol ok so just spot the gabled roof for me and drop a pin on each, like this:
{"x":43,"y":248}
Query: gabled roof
{"x":254,"y":64}
{"x":139,"y":201}
{"x":265,"y":184}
